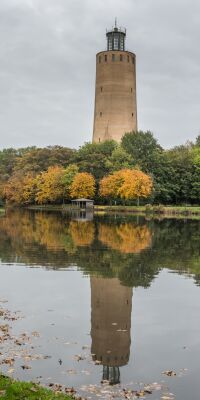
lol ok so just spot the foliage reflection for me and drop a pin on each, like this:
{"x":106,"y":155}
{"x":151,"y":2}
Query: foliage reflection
{"x":131,"y":249}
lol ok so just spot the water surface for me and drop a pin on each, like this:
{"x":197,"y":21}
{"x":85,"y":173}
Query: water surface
{"x":112,"y":298}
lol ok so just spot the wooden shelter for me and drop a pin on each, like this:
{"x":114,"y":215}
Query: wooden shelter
{"x":83,"y":203}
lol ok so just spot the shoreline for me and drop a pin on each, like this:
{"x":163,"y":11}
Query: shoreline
{"x":159,"y":210}
{"x":13,"y":389}
{"x":148,"y":210}
{"x":153,"y":210}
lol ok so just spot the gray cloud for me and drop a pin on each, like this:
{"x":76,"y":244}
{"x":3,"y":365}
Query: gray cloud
{"x":47,"y":67}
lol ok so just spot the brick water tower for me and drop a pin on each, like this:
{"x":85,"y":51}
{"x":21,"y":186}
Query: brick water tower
{"x":115,"y":98}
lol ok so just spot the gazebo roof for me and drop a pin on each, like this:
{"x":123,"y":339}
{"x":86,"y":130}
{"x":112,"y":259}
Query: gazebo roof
{"x":83,"y":200}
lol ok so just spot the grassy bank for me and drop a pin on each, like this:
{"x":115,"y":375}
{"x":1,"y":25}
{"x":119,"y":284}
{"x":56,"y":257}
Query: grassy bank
{"x":14,"y":390}
{"x":148,"y":209}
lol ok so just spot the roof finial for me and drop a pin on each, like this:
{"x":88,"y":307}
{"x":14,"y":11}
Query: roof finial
{"x":115,"y":22}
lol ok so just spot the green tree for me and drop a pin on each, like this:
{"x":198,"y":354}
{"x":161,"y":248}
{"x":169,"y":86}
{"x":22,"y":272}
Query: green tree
{"x":40,"y":159}
{"x":198,"y":141}
{"x":143,"y":148}
{"x":92,"y":158}
{"x":195,"y":191}
{"x":67,"y":178}
{"x":119,"y":159}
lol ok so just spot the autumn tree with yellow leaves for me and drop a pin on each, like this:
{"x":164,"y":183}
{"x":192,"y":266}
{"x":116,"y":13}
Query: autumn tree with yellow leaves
{"x":20,"y":189}
{"x":50,"y":188}
{"x":126,"y":184}
{"x":83,"y":185}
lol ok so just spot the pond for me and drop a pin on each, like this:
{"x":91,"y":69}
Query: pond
{"x":107,"y":304}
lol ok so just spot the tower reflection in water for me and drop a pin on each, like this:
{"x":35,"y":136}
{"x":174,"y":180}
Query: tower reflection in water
{"x":111,"y":305}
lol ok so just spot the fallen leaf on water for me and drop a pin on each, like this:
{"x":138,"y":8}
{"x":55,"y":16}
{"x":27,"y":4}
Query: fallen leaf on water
{"x":35,"y":333}
{"x":70,"y":390}
{"x":71,"y":371}
{"x":9,"y":361}
{"x":18,"y":342}
{"x":86,"y":372}
{"x":167,"y":398}
{"x":25,"y":367}
{"x":46,"y":357}
{"x":169,"y":373}
{"x":79,"y":357}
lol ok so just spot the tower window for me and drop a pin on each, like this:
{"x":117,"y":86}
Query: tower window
{"x":128,"y":58}
{"x":101,"y":114}
{"x":106,"y":58}
{"x":101,"y":88}
{"x":99,"y":59}
{"x":132,"y":114}
{"x":121,"y":57}
{"x":131,"y":90}
{"x":113,"y":57}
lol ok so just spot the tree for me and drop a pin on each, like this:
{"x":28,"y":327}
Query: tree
{"x":143,"y":148}
{"x":136,"y":184}
{"x":67,"y":178}
{"x":119,"y":159}
{"x":50,"y":188}
{"x":92,"y":158}
{"x":180,"y":160}
{"x":13,"y":190}
{"x":127,"y":184}
{"x":198,"y":141}
{"x":83,"y":185}
{"x":110,"y":185}
{"x":20,"y":189}
{"x":195,"y":191}
{"x":36,"y":160}
{"x":29,"y":187}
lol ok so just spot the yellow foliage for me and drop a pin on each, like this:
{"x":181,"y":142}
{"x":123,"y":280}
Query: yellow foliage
{"x":49,"y":185}
{"x":83,"y":185}
{"x":136,"y":184}
{"x":20,"y":189}
{"x":127,"y":184}
{"x":110,"y":185}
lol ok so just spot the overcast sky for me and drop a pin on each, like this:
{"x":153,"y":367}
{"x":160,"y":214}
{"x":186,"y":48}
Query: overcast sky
{"x":47,"y":67}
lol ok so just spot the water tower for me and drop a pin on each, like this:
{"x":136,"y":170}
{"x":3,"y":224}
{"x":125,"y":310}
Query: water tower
{"x":115,"y":98}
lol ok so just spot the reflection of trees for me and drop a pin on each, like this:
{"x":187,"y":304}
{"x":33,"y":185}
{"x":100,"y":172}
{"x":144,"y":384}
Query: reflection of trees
{"x":29,"y":229}
{"x":82,"y":232}
{"x":55,"y":241}
{"x":126,"y":237}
